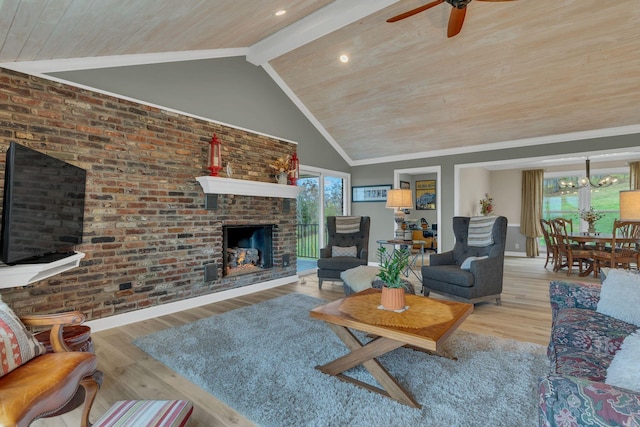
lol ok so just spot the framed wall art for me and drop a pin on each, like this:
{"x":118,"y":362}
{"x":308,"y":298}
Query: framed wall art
{"x":426,"y":195}
{"x":370,"y":193}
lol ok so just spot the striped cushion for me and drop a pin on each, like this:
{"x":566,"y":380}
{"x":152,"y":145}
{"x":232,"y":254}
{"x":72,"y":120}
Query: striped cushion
{"x":147,"y":413}
{"x":481,"y":231}
{"x":348,"y":224}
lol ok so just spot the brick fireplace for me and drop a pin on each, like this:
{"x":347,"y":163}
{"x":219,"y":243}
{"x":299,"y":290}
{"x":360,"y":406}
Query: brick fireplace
{"x":259,"y":221}
{"x":150,"y":236}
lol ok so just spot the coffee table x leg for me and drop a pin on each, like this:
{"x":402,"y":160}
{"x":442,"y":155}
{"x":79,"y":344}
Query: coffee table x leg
{"x":365,"y":355}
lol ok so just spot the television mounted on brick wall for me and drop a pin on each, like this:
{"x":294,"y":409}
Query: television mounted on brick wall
{"x":43,"y":207}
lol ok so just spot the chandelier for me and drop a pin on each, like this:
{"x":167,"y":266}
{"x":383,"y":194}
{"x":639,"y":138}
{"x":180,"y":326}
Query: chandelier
{"x":585,"y":181}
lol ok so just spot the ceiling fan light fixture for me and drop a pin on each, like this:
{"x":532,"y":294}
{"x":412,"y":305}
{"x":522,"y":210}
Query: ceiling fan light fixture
{"x":458,"y":4}
{"x":456,"y":17}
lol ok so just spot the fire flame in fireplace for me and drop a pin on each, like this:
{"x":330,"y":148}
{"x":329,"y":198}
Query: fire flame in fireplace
{"x":242,"y":260}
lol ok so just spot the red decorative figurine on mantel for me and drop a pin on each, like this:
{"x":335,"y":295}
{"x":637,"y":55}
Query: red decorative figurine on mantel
{"x":216,"y":156}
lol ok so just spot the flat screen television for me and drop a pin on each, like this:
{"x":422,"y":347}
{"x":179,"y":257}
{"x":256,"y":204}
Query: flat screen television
{"x":43,"y":210}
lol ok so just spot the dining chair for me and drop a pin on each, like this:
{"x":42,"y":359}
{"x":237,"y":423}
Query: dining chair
{"x":569,"y":255}
{"x":624,"y":247}
{"x":550,"y":243}
{"x":567,"y":224}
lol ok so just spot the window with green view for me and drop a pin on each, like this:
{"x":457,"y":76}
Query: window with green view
{"x":567,"y":203}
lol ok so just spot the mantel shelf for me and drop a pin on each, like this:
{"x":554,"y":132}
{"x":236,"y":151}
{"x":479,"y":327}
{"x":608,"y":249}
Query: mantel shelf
{"x":241,"y":187}
{"x":12,"y":276}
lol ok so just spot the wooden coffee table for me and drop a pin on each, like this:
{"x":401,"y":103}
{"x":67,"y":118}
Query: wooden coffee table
{"x":425,"y":325}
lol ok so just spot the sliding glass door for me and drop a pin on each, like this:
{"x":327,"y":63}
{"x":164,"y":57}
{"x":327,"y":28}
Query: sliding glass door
{"x":325,"y":193}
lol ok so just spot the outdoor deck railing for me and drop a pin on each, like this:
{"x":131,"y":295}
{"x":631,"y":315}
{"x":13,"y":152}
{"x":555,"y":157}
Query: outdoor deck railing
{"x":308,"y":241}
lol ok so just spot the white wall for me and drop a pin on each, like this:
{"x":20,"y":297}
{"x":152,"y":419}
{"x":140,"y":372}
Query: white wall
{"x":504,"y":186}
{"x":474,"y":184}
{"x":506,"y":189}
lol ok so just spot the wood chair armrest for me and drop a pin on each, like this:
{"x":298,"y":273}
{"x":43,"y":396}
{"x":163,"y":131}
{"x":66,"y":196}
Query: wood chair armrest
{"x":57,"y":322}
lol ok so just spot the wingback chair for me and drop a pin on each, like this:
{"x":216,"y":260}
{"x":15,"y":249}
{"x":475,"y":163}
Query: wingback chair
{"x":35,"y":383}
{"x":471,"y":271}
{"x":344,"y":250}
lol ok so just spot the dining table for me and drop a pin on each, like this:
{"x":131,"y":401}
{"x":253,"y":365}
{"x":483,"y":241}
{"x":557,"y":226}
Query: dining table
{"x":600,"y":242}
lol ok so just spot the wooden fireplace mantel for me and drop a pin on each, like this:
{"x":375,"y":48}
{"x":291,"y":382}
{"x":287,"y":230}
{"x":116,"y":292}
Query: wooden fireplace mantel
{"x":242,"y":187}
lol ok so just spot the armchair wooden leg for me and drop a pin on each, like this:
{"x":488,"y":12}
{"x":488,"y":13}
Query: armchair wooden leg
{"x":91,"y":385}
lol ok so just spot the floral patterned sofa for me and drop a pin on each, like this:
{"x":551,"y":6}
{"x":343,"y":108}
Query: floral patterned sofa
{"x":582,"y":346}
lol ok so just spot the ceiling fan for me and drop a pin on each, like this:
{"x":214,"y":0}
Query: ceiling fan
{"x":456,"y":18}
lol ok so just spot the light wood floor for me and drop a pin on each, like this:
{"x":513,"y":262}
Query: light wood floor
{"x":131,"y":374}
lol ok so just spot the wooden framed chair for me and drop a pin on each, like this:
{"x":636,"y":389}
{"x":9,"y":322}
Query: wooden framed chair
{"x":569,"y":255}
{"x":567,"y":224}
{"x":36,"y":383}
{"x":550,"y":243}
{"x":624,"y":247}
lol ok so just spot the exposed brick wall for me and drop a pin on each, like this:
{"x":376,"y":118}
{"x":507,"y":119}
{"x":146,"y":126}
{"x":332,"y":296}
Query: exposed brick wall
{"x":147,"y":234}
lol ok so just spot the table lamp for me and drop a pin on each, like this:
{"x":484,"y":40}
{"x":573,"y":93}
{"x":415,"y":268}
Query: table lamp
{"x":630,"y":205}
{"x":399,"y":199}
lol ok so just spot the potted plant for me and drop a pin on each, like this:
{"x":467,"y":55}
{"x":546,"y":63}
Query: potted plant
{"x":590,"y":216}
{"x":486,"y":205}
{"x":391,"y":266}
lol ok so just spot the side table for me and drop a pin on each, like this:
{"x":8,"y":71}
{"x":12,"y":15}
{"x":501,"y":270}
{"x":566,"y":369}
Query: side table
{"x":412,"y":266}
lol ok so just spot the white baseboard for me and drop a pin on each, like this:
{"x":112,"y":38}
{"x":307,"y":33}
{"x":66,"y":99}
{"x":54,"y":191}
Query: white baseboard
{"x":516,"y":254}
{"x":173,"y":307}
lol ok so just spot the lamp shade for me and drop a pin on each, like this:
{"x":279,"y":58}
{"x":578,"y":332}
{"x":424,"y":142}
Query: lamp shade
{"x":630,"y":205}
{"x":399,"y":198}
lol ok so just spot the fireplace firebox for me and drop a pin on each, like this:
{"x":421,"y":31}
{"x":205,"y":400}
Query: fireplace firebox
{"x":247,"y":248}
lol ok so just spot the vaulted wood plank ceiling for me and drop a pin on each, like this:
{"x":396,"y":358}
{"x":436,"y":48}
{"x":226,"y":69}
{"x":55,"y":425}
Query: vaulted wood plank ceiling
{"x":518,"y":72}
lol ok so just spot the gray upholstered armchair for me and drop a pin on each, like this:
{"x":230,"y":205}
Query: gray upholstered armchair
{"x":347,"y":247}
{"x":480,"y":277}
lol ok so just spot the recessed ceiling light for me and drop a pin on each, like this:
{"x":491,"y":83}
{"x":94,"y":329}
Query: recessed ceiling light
{"x":344,"y":58}
{"x":281,"y":12}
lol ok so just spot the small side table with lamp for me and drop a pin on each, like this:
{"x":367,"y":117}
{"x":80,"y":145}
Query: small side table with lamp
{"x":399,"y":199}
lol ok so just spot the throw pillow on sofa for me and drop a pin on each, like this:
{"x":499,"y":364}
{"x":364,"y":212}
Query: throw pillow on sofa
{"x":620,"y":296}
{"x":17,"y":344}
{"x":351,"y":251}
{"x":624,"y":370}
{"x":466,"y":264}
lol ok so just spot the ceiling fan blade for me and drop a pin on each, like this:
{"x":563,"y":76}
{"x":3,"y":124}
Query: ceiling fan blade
{"x":456,"y":19}
{"x":414,"y":11}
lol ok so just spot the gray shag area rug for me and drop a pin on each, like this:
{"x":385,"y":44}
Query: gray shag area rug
{"x":260,"y":361}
